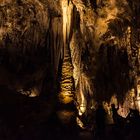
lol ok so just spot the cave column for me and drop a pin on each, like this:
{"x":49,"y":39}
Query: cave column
{"x":67,"y":83}
{"x":66,"y":94}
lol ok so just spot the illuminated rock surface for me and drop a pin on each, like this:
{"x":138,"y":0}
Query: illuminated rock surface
{"x":62,"y":58}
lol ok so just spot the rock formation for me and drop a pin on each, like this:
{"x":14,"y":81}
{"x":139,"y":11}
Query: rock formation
{"x":80,"y":52}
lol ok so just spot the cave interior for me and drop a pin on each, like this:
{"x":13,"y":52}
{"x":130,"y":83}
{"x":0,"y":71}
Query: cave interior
{"x":66,"y":66}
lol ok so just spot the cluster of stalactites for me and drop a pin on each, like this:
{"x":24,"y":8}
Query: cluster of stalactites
{"x":23,"y":23}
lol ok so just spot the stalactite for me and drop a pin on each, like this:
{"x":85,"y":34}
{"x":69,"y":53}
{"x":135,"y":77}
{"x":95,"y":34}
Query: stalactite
{"x":67,"y":8}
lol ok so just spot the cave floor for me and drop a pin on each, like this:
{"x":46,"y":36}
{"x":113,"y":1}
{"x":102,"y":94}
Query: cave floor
{"x":23,"y":118}
{"x":42,"y":132}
